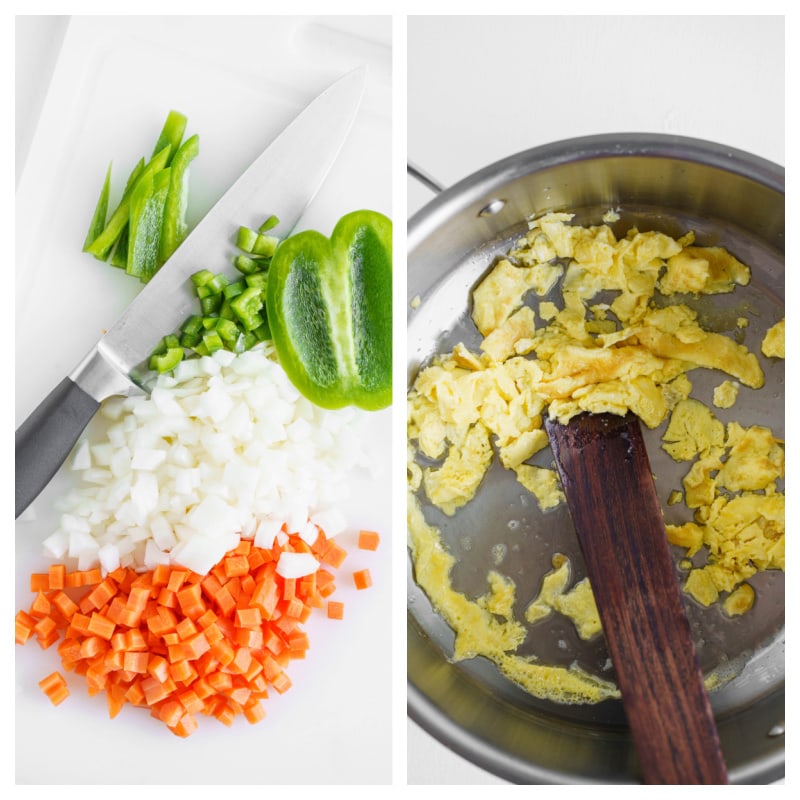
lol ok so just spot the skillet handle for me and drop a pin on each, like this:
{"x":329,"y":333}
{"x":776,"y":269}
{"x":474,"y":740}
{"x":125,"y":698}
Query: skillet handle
{"x":426,"y":180}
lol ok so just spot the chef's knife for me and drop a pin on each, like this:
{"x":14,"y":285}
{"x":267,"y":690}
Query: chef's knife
{"x":281,"y":181}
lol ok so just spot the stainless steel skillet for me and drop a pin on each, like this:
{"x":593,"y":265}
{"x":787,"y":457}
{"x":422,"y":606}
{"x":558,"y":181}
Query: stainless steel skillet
{"x":655,"y":182}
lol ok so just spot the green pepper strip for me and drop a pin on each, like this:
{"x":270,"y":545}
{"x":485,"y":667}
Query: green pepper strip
{"x":329,"y":306}
{"x":119,"y":257}
{"x":172,"y":133}
{"x":101,"y":210}
{"x":101,"y":246}
{"x":146,"y":222}
{"x":175,"y":227}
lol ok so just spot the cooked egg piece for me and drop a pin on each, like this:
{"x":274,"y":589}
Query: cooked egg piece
{"x":725,"y":394}
{"x":774,"y":343}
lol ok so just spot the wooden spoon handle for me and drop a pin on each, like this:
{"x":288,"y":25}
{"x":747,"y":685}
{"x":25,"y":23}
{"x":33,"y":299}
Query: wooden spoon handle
{"x":610,"y":492}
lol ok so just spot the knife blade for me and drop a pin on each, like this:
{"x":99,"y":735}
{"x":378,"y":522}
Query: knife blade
{"x":282,"y":181}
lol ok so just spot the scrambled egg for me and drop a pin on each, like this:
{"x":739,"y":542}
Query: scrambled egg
{"x":725,"y":394}
{"x":485,"y":627}
{"x":601,"y":345}
{"x":739,"y":514}
{"x":774,"y":344}
{"x":577,"y":604}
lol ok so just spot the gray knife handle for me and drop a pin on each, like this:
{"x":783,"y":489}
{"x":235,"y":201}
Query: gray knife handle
{"x":46,"y":438}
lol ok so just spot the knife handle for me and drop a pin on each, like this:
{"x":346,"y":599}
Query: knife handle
{"x":46,"y":438}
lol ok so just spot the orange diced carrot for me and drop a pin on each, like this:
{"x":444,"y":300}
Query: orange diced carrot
{"x":334,"y":555}
{"x":158,"y":667}
{"x":281,"y":682}
{"x":57,"y":576}
{"x":236,"y":566}
{"x":55,"y":687}
{"x":135,"y":662}
{"x":248,"y":617}
{"x":254,"y":712}
{"x":176,"y":579}
{"x":335,"y":609}
{"x":65,"y":604}
{"x":196,"y":645}
{"x":24,"y":627}
{"x":40,"y":607}
{"x":44,"y":627}
{"x":362,"y":579}
{"x":368,"y":540}
{"x":100,"y":625}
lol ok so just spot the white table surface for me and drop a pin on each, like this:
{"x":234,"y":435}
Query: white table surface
{"x":482,"y":88}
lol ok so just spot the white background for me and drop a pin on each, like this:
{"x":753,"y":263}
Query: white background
{"x":483,"y":88}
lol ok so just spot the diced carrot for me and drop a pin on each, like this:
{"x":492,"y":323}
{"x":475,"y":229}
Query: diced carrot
{"x":92,"y":646}
{"x":335,"y":609}
{"x":73,"y":580}
{"x":182,"y":644}
{"x":101,"y":626}
{"x":48,"y":638}
{"x":153,"y":691}
{"x":56,"y":576}
{"x":294,"y":608}
{"x":65,"y":604}
{"x":185,"y":628}
{"x":92,"y":576}
{"x":55,"y":687}
{"x":135,"y":662}
{"x":190,"y":600}
{"x":225,"y":714}
{"x":254,"y":712}
{"x":281,"y":682}
{"x":158,"y":667}
{"x":170,"y":712}
{"x":101,"y":594}
{"x":368,"y":540}
{"x":176,"y":579}
{"x":161,"y":575}
{"x":236,"y":566}
{"x":334,"y":554}
{"x":44,"y":627}
{"x":167,"y":598}
{"x":40,"y":607}
{"x":362,"y":579}
{"x":24,"y":627}
{"x":248,"y":617}
{"x":326,"y":583}
{"x":196,"y":645}
{"x":40,"y":582}
{"x":182,"y":671}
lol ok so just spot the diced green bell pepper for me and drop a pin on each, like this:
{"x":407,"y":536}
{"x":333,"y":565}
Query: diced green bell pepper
{"x":329,"y":307}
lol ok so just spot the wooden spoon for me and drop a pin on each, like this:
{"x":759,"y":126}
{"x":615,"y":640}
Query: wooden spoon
{"x":606,"y":476}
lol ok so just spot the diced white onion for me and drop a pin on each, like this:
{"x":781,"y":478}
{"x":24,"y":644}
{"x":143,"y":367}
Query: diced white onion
{"x":82,"y":459}
{"x":224,"y":448}
{"x":296,"y":565}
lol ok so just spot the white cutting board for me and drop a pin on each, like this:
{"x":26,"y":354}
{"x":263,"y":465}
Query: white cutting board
{"x":239,"y":80}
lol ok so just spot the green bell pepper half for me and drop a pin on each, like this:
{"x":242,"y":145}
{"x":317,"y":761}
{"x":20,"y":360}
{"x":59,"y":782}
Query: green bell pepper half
{"x":329,"y":307}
